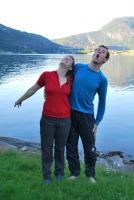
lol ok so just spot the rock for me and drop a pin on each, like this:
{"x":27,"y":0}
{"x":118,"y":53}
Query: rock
{"x":128,"y":161}
{"x":100,"y":154}
{"x":28,"y":148}
{"x":4,"y":145}
{"x":24,"y":148}
{"x":114,"y":153}
{"x":115,"y":162}
{"x":103,"y":163}
{"x":129,"y":167}
{"x":110,"y":161}
{"x":20,"y":143}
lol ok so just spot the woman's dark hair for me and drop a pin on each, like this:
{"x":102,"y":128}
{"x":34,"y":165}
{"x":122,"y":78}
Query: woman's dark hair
{"x":69,"y":74}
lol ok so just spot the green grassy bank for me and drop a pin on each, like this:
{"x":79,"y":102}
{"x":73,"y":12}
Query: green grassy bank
{"x":21,"y":179}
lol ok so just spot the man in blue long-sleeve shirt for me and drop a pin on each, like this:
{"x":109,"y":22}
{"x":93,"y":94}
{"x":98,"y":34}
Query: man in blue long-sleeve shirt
{"x":88,"y":80}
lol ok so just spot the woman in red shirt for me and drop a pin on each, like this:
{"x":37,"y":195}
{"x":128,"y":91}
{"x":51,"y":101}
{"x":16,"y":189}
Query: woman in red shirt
{"x":55,"y":121}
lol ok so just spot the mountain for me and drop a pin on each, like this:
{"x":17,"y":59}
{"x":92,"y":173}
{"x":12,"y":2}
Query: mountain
{"x":15,"y":41}
{"x":117,"y":35}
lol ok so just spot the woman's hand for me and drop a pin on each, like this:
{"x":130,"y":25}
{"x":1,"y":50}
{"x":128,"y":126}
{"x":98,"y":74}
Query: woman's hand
{"x":18,"y":103}
{"x":27,"y":94}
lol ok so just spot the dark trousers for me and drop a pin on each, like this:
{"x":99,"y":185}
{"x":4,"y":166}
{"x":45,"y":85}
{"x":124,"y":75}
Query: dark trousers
{"x":82,"y":125}
{"x":53,"y":130}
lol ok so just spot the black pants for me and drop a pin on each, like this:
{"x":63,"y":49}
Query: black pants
{"x":82,"y":125}
{"x":53,"y":130}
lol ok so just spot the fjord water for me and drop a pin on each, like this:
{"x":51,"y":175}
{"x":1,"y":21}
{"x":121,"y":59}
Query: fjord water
{"x":19,"y":72}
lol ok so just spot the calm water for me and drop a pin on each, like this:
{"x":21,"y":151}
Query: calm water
{"x":19,"y":72}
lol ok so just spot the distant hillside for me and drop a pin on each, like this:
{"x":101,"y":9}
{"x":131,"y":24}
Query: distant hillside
{"x":118,"y":35}
{"x":15,"y":41}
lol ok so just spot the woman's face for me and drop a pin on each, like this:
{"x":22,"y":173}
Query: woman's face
{"x":67,"y":62}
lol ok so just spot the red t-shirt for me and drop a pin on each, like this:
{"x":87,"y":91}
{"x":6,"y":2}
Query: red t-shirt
{"x":56,"y":98}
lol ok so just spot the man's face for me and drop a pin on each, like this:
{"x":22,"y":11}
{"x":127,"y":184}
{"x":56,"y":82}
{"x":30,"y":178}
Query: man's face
{"x":99,"y":56}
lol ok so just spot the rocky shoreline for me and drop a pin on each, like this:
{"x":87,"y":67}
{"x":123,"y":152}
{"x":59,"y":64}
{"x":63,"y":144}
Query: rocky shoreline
{"x":113,"y":160}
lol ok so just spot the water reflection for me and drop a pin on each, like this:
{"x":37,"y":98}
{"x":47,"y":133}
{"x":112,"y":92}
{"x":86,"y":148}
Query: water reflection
{"x":120,"y":72}
{"x":11,"y":65}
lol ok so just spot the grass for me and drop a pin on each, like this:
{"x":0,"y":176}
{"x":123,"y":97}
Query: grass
{"x":21,"y":179}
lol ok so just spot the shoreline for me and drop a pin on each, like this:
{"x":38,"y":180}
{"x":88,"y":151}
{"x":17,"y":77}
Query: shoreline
{"x":35,"y":146}
{"x":19,"y":143}
{"x":111,"y":160}
{"x":85,"y":51}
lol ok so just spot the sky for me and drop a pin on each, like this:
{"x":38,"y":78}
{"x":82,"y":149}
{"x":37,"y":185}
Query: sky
{"x":60,"y":18}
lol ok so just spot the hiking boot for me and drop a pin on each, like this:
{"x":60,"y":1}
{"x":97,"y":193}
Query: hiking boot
{"x":92,"y":180}
{"x":47,"y":181}
{"x":60,"y":177}
{"x":72,"y":178}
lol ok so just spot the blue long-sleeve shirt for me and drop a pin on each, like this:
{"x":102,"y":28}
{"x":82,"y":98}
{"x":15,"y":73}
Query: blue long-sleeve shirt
{"x":86,"y":84}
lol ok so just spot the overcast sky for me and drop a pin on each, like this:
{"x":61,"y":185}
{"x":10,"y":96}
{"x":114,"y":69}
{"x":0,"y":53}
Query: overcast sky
{"x":60,"y":18}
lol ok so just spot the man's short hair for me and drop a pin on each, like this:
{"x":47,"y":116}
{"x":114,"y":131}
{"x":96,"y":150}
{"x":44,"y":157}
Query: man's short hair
{"x":108,"y":54}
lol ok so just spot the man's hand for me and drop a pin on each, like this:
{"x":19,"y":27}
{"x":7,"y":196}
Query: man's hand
{"x":95,"y":129}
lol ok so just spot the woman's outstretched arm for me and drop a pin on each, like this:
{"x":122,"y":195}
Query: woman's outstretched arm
{"x":32,"y":90}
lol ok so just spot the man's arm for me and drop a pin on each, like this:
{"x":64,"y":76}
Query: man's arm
{"x":102,"y":93}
